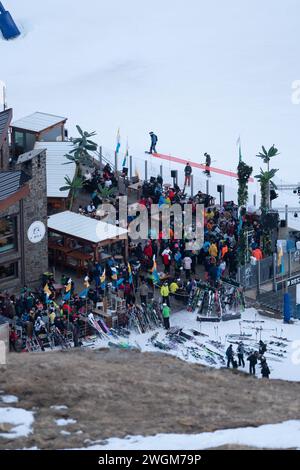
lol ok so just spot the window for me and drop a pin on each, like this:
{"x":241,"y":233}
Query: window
{"x":8,"y":271}
{"x":8,"y":234}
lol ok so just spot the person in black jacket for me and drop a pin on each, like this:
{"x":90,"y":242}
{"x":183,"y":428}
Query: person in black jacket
{"x":229,"y":355}
{"x":240,"y":354}
{"x":187,"y":172}
{"x":252,"y":358}
{"x":207,"y":163}
{"x":154,"y":140}
{"x":262,"y":348}
{"x":265,"y":371}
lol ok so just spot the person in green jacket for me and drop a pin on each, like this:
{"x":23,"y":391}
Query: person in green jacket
{"x":166,"y":316}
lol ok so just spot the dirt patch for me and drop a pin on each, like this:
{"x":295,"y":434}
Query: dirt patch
{"x":119,"y":393}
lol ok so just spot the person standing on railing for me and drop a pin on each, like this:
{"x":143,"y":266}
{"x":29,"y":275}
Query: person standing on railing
{"x":154,"y":140}
{"x":188,"y":173}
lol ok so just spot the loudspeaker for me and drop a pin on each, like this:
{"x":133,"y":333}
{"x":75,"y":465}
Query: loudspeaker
{"x":125,"y":171}
{"x":219,"y":188}
{"x":174,"y":173}
{"x":152,"y":179}
{"x":283,"y":223}
{"x":270,"y":220}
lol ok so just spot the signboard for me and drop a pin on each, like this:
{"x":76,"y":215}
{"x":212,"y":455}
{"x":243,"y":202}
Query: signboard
{"x":293,"y":281}
{"x":36,"y":232}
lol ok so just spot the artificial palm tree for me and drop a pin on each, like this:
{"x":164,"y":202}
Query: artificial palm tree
{"x":106,"y":193}
{"x":266,"y":156}
{"x":264,"y":179}
{"x":74,"y":187}
{"x":80,"y":153}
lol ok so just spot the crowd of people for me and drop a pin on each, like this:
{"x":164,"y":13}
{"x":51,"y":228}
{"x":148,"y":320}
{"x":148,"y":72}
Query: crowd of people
{"x":253,"y":357}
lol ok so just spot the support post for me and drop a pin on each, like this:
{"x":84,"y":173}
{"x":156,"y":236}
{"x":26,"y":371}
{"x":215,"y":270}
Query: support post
{"x":161,"y":171}
{"x":258,"y":277}
{"x":286,"y":215}
{"x":207,"y":186}
{"x":254,"y":200}
{"x":100,"y":157}
{"x":146,"y":170}
{"x":192,"y":185}
{"x":274,"y":272}
{"x":130,"y":167}
{"x":290,"y":262}
{"x":116,"y":163}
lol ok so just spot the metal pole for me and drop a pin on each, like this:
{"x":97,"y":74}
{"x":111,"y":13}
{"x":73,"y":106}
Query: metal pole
{"x":146,"y":170}
{"x":258,"y":277}
{"x":254,"y":200}
{"x":290,"y":262}
{"x":116,"y":163}
{"x":192,"y":185}
{"x":130,"y":167}
{"x":286,"y":214}
{"x":207,"y":186}
{"x":100,"y":157}
{"x":161,"y":170}
{"x":274,"y":272}
{"x":223,"y":193}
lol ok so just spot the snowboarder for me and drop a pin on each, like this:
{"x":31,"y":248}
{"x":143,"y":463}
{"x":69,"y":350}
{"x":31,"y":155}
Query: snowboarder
{"x":187,"y":172}
{"x":166,"y":316}
{"x":252,"y":358}
{"x":154,"y":140}
{"x":240,"y":354}
{"x":265,"y":371}
{"x":229,"y":355}
{"x":207,"y":164}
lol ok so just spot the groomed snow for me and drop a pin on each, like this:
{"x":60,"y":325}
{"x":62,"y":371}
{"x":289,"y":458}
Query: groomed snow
{"x":287,"y":367}
{"x":8,"y":399}
{"x":21,"y":420}
{"x":284,"y":435}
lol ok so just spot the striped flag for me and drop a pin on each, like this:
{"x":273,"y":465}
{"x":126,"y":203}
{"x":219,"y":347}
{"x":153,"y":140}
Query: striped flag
{"x":130,"y":274}
{"x":280,"y":259}
{"x":155,"y":275}
{"x":103,"y":279}
{"x":114,"y":274}
{"x":83,"y":294}
{"x":67,"y":295}
{"x":118,"y":142}
{"x":47,"y":292}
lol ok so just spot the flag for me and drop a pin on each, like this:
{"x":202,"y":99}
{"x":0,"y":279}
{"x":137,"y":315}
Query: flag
{"x":240,"y":148}
{"x":47,"y":291}
{"x":114,"y":274}
{"x":130,"y":274}
{"x":68,"y":286}
{"x":280,"y":259}
{"x":83,"y":294}
{"x":118,"y":142}
{"x":126,"y":155}
{"x":155,"y":275}
{"x":103,"y":279}
{"x":67,"y":296}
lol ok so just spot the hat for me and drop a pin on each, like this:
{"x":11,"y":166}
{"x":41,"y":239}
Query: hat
{"x":164,"y":305}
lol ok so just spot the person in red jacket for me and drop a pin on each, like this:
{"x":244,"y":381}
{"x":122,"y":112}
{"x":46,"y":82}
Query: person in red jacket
{"x":148,"y":251}
{"x":13,"y":337}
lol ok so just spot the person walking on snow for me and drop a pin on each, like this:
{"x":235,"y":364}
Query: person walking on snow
{"x":154,"y":140}
{"x":252,"y":362}
{"x":166,"y":316}
{"x":265,"y":371}
{"x":165,"y":292}
{"x":187,"y":172}
{"x":229,"y":355}
{"x":240,"y":354}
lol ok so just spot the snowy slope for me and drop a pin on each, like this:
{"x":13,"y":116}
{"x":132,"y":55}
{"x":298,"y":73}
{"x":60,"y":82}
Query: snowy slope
{"x":198,"y":75}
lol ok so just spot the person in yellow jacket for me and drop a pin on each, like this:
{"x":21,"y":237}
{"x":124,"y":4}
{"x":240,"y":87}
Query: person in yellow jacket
{"x":173,"y":287}
{"x":165,"y":292}
{"x":213,"y":250}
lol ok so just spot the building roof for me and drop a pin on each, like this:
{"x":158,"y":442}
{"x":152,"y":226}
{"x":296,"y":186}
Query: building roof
{"x":83,"y":227}
{"x":5,"y":119}
{"x":11,"y":182}
{"x":26,"y":157}
{"x":56,"y":170}
{"x":38,"y":122}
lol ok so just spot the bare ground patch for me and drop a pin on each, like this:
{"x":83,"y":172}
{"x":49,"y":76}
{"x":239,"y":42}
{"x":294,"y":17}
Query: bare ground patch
{"x":117,"y":393}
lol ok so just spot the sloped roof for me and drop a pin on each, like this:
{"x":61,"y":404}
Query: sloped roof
{"x":26,"y":157}
{"x":83,"y":227}
{"x":56,"y":168}
{"x":38,"y":122}
{"x":11,"y":182}
{"x":5,"y":119}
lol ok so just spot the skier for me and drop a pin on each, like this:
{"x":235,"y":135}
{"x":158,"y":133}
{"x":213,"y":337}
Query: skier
{"x":252,"y":358}
{"x":240,"y":354}
{"x":229,"y":355}
{"x":265,"y":371}
{"x":166,"y":316}
{"x":207,"y":164}
{"x":262,"y":348}
{"x":187,"y":172}
{"x":154,"y":141}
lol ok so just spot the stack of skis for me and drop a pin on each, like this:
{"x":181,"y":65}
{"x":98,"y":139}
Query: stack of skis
{"x":144,"y":318}
{"x":214,"y":304}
